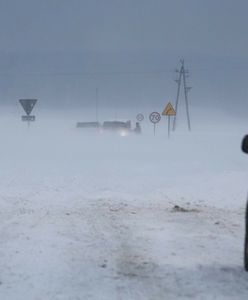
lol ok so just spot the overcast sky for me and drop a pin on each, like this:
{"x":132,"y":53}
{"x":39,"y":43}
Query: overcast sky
{"x":212,"y":27}
{"x":131,"y":35}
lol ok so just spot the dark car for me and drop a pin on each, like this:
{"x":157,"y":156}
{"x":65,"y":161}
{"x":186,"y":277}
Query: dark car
{"x":120,"y":127}
{"x":88,"y":125}
{"x":244,"y":147}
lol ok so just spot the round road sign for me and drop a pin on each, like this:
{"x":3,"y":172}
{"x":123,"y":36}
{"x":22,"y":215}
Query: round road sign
{"x":155,"y":117}
{"x":140,"y":117}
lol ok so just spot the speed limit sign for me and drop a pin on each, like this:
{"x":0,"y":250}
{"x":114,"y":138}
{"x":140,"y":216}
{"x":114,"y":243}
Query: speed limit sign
{"x":155,"y":117}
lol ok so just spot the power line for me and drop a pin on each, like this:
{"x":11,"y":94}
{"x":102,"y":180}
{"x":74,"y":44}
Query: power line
{"x":181,"y":80}
{"x":86,"y":73}
{"x":122,"y":72}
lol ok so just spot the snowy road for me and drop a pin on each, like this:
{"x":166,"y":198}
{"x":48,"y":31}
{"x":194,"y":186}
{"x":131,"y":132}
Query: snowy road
{"x":121,"y":218}
{"x":101,"y":248}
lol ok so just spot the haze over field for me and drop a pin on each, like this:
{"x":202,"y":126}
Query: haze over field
{"x":99,"y":216}
{"x":95,"y":215}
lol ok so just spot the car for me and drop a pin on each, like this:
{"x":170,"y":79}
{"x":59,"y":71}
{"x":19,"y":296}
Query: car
{"x":244,"y":148}
{"x":123,"y":128}
{"x":87,"y":125}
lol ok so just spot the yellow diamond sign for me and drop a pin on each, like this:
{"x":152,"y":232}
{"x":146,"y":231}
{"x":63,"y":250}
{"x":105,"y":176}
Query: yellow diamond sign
{"x":169,"y":110}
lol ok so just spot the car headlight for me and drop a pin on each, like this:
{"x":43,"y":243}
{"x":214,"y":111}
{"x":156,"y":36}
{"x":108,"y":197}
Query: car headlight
{"x":123,"y":133}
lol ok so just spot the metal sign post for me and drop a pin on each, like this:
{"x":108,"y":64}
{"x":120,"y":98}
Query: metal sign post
{"x":155,"y":117}
{"x":168,"y":127}
{"x":169,"y":111}
{"x":28,"y":105}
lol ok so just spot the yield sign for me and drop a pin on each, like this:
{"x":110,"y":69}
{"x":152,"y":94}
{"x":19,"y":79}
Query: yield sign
{"x":28,"y":105}
{"x":169,"y":110}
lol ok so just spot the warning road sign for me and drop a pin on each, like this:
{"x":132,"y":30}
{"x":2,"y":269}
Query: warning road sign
{"x":28,"y":105}
{"x":169,"y":110}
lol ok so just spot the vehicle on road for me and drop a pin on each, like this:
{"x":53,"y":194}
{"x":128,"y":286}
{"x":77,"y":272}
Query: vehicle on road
{"x":123,"y":128}
{"x":88,"y":125}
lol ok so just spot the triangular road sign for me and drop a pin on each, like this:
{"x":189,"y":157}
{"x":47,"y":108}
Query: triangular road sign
{"x":28,"y":105}
{"x":169,"y":110}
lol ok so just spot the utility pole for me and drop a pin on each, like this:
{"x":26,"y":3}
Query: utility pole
{"x":97,"y":105}
{"x":181,"y":80}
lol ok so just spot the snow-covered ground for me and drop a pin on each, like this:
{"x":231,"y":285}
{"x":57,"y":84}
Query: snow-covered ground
{"x":94,"y":217}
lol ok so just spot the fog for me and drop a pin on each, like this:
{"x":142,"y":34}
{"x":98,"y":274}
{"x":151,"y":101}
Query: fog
{"x":94,"y":215}
{"x":97,"y":213}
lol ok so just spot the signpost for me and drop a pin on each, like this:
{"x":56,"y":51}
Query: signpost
{"x":140,"y":117}
{"x":28,"y":105}
{"x":155,"y":117}
{"x":169,"y":111}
